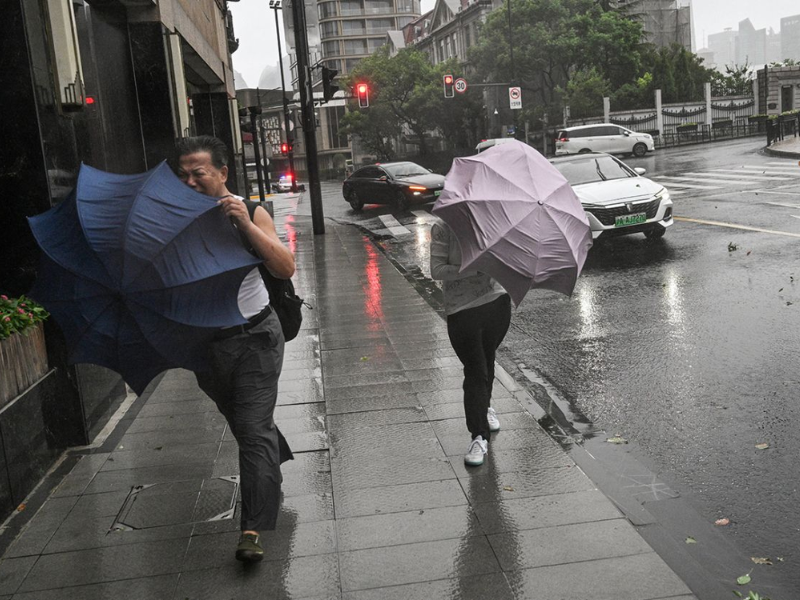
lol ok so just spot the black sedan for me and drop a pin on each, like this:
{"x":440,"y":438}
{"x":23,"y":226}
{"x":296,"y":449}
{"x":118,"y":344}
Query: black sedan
{"x":398,"y":183}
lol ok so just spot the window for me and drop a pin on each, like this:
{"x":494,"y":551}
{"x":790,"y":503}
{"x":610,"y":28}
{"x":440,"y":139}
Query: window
{"x":601,"y":168}
{"x":327,"y":10}
{"x":351,"y":7}
{"x":67,"y":59}
{"x":355,"y":47}
{"x":403,"y":21}
{"x":374,"y":43}
{"x":329,"y":29}
{"x":335,"y":138}
{"x":351,"y":63}
{"x":353,"y":27}
{"x":379,"y":7}
{"x":608,"y":130}
{"x":379,"y":25}
{"x":331,"y":48}
{"x":369,"y":173}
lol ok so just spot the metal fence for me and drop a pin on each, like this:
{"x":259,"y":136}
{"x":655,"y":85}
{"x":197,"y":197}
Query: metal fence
{"x":782,"y":127}
{"x":703,"y":134}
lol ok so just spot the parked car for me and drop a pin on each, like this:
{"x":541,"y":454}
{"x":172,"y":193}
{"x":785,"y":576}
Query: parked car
{"x":398,"y":183}
{"x":612,"y":139}
{"x":618,"y":200}
{"x":486,"y":144}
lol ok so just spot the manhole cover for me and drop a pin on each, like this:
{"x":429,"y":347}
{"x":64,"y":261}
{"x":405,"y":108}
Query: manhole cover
{"x":177,"y":503}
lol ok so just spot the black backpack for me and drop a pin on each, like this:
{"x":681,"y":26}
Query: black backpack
{"x":282,"y":297}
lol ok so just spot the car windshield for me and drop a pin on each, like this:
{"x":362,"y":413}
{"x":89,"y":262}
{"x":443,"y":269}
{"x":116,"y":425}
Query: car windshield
{"x":407,"y":169}
{"x":592,"y":169}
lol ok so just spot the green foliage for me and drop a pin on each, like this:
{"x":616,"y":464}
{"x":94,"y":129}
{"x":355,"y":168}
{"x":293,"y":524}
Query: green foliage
{"x":18,"y":315}
{"x":789,"y":62}
{"x":736,"y":81}
{"x":406,"y":97}
{"x":585,"y":92}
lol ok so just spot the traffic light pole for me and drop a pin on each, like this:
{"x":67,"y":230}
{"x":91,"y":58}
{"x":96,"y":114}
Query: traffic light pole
{"x":276,"y":7}
{"x":256,"y":110}
{"x":307,"y":111}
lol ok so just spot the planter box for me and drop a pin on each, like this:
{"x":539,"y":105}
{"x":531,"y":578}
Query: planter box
{"x":23,"y":362}
{"x":685,"y":128}
{"x":722,"y":124}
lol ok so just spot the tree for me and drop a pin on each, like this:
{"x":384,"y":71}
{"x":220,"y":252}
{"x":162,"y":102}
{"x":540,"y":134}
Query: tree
{"x":585,"y":92}
{"x":554,"y":40}
{"x":736,"y":81}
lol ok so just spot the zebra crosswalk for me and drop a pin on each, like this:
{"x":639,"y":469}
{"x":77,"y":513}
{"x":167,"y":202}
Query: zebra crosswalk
{"x":714,"y":179}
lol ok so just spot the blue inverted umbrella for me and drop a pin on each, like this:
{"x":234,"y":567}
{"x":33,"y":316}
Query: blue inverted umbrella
{"x":139,"y":271}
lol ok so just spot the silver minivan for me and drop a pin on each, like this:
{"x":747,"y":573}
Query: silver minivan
{"x":604,"y":137}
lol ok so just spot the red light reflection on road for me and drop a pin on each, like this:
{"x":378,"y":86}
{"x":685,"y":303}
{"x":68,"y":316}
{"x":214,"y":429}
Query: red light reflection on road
{"x":373,"y":305}
{"x":291,"y":233}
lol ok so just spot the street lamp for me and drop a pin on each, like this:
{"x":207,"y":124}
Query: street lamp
{"x":276,"y":6}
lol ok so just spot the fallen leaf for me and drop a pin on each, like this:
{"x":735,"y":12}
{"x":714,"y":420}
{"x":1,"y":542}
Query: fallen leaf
{"x":743,"y":580}
{"x":732,"y":247}
{"x":789,"y":303}
{"x":617,"y":439}
{"x":762,"y":446}
{"x":364,"y":358}
{"x":722,"y":522}
{"x":159,"y":447}
{"x":779,"y":558}
{"x":780,"y":290}
{"x":21,"y":507}
{"x":748,"y":253}
{"x":760,"y":561}
{"x":508,"y":488}
{"x":691,"y":540}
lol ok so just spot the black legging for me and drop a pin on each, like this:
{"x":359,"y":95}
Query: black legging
{"x":475,"y":334}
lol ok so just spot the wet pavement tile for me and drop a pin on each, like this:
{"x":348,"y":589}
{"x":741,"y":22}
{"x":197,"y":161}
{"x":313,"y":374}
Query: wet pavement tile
{"x":99,"y":505}
{"x":170,"y":439}
{"x":451,"y":364}
{"x":300,"y":539}
{"x":311,"y":410}
{"x":445,"y":351}
{"x":354,"y":440}
{"x":99,"y":565}
{"x":439,"y":385}
{"x":304,"y":483}
{"x":363,"y":365}
{"x":307,"y":441}
{"x":306,"y":424}
{"x":522,"y":460}
{"x":639,"y":577}
{"x":131,"y":589}
{"x":453,"y":438}
{"x":368,"y":391}
{"x":115,"y":481}
{"x":541,"y":482}
{"x":13,"y":572}
{"x":127,"y":458}
{"x":311,"y":395}
{"x":393,"y":529}
{"x":381,"y":378}
{"x":206,"y":420}
{"x":373,"y":403}
{"x":414,"y":563}
{"x":490,"y":586}
{"x":545,"y":511}
{"x":308,"y":577}
{"x":84,"y":534}
{"x":300,"y":374}
{"x":411,"y":349}
{"x":352,"y":340}
{"x":373,"y":418}
{"x":161,"y":409}
{"x":455,"y":410}
{"x":310,"y":388}
{"x":439,"y":373}
{"x":37,"y":533}
{"x":396,"y":470}
{"x":567,"y":544}
{"x":355,"y":502}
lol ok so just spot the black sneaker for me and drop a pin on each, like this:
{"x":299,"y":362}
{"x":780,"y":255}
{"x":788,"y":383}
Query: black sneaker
{"x":249,"y":548}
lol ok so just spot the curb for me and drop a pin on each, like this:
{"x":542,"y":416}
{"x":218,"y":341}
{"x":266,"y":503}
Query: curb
{"x":781,"y":153}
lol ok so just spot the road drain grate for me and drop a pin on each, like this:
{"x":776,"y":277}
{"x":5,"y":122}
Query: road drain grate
{"x":178,"y":503}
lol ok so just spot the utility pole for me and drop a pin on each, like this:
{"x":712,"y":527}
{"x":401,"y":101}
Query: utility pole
{"x":256,"y":110}
{"x":307,"y":111}
{"x":263,"y":138}
{"x":276,"y":6}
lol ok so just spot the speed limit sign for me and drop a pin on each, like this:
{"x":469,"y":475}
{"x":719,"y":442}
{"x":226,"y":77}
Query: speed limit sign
{"x":461,"y":85}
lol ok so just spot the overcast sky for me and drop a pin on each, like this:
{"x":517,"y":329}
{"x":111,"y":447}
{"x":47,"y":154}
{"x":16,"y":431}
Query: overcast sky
{"x":254,"y":24}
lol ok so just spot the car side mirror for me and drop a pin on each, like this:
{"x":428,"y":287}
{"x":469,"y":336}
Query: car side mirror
{"x":383,"y":178}
{"x":430,"y":170}
{"x":626,"y":133}
{"x":640,"y":170}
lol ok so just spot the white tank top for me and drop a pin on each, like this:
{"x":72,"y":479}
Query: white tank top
{"x":253,"y":294}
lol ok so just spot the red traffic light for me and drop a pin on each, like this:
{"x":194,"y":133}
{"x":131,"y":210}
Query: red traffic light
{"x":286,"y":148}
{"x":362,"y":91}
{"x":449,"y":90}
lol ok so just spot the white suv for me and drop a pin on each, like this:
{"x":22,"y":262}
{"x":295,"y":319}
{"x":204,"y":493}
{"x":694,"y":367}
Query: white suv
{"x":605,"y":137}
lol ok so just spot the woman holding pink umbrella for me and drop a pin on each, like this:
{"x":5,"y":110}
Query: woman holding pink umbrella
{"x":478,"y":313}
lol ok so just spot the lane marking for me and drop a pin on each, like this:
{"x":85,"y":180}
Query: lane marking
{"x":730,"y":173}
{"x":776,"y":193}
{"x":734,"y":226}
{"x":783,"y":204}
{"x":784,"y":163}
{"x":691,"y":186}
{"x":393,"y":225}
{"x":714,"y":180}
{"x":770,"y":170}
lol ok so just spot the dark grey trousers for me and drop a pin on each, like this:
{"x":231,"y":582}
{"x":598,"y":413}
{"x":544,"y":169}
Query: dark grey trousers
{"x":243,"y":382}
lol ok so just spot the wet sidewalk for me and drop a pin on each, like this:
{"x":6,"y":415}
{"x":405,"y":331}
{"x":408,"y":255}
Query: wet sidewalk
{"x":788,"y":148}
{"x":378,"y":504}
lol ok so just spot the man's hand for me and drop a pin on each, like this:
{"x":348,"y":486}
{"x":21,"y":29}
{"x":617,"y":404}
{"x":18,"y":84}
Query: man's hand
{"x":237,"y":211}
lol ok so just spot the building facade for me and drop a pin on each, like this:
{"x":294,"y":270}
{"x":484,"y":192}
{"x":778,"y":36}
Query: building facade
{"x":113,"y":84}
{"x":665,"y":22}
{"x":790,"y":38}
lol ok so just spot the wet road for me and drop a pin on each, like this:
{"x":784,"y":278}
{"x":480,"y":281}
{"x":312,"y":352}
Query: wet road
{"x":687,"y":346}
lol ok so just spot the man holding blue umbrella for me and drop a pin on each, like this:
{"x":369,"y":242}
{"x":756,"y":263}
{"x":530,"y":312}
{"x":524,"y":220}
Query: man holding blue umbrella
{"x":246,"y":360}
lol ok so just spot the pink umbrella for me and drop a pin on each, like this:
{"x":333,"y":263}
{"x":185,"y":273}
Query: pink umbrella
{"x":516,"y":219}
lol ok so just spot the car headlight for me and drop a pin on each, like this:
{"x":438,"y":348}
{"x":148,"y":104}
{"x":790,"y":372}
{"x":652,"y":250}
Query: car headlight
{"x":662,"y":195}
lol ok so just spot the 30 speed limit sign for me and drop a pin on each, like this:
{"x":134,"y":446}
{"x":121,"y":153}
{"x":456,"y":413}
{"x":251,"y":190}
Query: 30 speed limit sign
{"x":515,"y":97}
{"x":461,"y":85}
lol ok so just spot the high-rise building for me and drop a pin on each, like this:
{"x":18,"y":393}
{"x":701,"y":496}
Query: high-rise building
{"x":751,"y":45}
{"x":723,"y":45}
{"x":665,"y":22}
{"x":790,"y":38}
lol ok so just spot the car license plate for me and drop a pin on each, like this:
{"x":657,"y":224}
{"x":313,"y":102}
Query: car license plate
{"x":437,"y":193}
{"x":626,"y":220}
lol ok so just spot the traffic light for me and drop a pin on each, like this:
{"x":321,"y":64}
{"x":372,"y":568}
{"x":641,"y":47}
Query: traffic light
{"x":449,"y":89}
{"x":286,"y":148}
{"x":328,"y":87}
{"x":362,"y":91}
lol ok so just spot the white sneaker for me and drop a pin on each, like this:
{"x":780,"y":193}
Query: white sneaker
{"x":494,"y":422}
{"x":477,"y":450}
